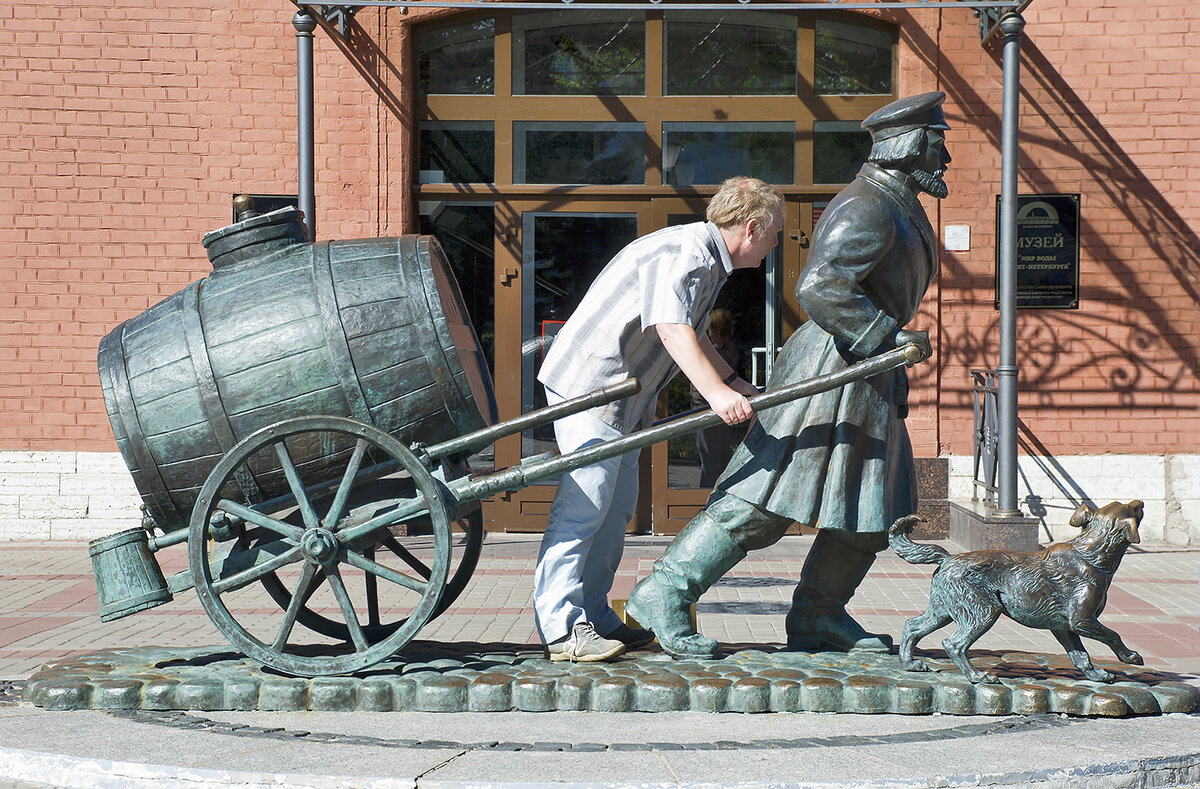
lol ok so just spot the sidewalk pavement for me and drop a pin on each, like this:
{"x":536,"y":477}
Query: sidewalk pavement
{"x":48,"y":611}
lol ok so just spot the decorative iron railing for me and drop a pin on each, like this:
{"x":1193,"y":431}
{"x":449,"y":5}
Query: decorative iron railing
{"x":986,"y":435}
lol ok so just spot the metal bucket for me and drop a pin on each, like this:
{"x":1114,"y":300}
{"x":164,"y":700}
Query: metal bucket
{"x":128,"y":578}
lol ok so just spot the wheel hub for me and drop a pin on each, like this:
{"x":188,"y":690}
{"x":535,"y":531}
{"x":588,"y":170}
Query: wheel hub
{"x":319,"y":546}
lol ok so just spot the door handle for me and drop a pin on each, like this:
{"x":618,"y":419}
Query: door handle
{"x":801,"y":238}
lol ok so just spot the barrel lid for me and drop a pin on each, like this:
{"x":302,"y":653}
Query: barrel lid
{"x":254,"y":234}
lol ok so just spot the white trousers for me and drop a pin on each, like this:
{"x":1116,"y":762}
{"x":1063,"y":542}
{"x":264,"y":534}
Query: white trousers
{"x":585,"y":536}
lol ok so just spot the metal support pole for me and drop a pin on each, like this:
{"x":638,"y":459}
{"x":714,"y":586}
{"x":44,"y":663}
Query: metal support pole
{"x":305,"y":24}
{"x":1006,"y":370}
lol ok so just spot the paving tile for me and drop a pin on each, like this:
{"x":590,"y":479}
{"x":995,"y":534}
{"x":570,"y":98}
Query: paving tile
{"x":48,"y":608}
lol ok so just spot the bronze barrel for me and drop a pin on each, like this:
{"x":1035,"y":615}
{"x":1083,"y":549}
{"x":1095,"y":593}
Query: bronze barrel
{"x":373,"y":329}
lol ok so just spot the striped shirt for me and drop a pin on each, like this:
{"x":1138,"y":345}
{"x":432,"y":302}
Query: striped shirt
{"x":669,"y":276}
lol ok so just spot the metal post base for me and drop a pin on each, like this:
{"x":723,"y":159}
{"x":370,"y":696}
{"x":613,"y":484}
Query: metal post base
{"x":977,"y":526}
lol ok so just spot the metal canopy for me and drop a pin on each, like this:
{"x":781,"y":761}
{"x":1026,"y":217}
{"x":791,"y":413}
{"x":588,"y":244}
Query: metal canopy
{"x":989,"y":12}
{"x":789,"y":5}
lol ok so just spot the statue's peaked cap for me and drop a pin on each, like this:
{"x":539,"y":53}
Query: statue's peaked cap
{"x":923,"y":111}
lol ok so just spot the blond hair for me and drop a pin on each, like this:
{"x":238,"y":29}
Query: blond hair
{"x":740,"y":199}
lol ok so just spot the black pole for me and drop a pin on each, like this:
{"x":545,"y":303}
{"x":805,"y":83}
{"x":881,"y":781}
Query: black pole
{"x":305,"y":24}
{"x":1007,"y":370}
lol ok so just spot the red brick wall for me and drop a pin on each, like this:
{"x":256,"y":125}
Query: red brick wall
{"x":1109,"y":96}
{"x":125,"y":129}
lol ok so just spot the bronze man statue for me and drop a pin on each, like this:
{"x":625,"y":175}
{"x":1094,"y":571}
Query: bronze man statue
{"x":839,"y":461}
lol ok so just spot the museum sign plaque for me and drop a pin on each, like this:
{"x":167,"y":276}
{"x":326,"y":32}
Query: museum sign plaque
{"x":1047,"y":251}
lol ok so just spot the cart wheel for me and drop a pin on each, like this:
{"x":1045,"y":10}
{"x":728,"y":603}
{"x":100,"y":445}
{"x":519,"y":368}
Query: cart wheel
{"x":471,"y":543}
{"x":331,"y":553}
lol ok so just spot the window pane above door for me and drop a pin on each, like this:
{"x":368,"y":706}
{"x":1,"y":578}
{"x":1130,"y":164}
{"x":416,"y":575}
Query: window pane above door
{"x":852,"y":59}
{"x":731,"y":54}
{"x":457,"y":152}
{"x":839,"y":149}
{"x":457,"y":59}
{"x":579,"y":53}
{"x":566,"y":152}
{"x":708,"y":153}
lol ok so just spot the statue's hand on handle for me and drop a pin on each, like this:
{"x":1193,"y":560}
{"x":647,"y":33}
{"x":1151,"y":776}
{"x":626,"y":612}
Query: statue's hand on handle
{"x":910,"y":337}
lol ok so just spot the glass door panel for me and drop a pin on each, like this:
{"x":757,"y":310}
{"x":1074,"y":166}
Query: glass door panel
{"x":561,"y":254}
{"x":742,"y":326}
{"x":749,"y":319}
{"x":548,"y":253}
{"x":466,"y":232}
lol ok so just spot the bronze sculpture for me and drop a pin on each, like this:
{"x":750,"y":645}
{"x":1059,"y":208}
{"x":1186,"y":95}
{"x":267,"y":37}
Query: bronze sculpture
{"x":288,"y":471}
{"x":842,"y":461}
{"x":1062,"y":588}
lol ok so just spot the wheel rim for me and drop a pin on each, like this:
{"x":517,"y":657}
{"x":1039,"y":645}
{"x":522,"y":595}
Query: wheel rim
{"x":318,"y":554}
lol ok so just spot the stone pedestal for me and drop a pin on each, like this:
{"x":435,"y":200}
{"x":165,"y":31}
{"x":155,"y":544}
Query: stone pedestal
{"x":976,"y":527}
{"x":468,"y":677}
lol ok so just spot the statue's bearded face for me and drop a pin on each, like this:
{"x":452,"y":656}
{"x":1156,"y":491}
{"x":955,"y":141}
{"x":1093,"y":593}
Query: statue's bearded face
{"x":930,"y":166}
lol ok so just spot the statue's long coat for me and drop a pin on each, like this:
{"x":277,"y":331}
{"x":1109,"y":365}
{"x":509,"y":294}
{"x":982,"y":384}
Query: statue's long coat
{"x":842,"y":459}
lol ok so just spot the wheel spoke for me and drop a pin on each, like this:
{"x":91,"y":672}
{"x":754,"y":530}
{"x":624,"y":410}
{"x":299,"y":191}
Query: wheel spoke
{"x":403,"y":512}
{"x":372,"y":590}
{"x":343,"y":597}
{"x":396,"y":547}
{"x":320,"y":575}
{"x":299,"y":595}
{"x":386,"y":573}
{"x":252,"y":574}
{"x":293,"y":533}
{"x":293,"y":478}
{"x":343,"y":491}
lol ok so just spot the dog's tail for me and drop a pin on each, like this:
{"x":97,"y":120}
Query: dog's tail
{"x":910,"y":551}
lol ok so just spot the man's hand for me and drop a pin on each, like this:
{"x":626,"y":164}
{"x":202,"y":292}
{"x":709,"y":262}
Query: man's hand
{"x":731,"y":406}
{"x":917,"y":338}
{"x":684,"y":346}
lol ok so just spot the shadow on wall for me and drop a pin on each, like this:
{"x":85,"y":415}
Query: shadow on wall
{"x":1142,"y":350}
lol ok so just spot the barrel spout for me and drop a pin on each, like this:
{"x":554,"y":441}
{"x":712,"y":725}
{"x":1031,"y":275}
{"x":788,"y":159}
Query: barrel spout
{"x":254,"y":235}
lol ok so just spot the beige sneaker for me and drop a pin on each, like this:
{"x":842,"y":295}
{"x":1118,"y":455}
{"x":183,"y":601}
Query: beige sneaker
{"x":585,"y":645}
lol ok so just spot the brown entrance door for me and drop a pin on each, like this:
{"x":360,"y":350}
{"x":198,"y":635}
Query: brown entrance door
{"x":547,"y":254}
{"x":551,"y":252}
{"x":758,"y":311}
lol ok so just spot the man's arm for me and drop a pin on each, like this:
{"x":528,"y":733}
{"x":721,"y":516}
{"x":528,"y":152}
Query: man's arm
{"x":684,"y":347}
{"x":738,"y":384}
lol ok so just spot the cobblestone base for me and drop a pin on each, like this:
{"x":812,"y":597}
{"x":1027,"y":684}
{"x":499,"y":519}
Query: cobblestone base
{"x":435,"y":677}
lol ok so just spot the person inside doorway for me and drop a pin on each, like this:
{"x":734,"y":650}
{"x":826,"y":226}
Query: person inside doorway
{"x":645,"y":316}
{"x":715,"y":444}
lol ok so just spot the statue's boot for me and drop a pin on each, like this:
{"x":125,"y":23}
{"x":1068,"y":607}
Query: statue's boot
{"x":694,"y":561}
{"x":835,"y":566}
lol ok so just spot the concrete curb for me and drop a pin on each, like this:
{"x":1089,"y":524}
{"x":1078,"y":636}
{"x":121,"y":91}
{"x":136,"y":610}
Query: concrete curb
{"x":72,"y":772}
{"x":83,"y":773}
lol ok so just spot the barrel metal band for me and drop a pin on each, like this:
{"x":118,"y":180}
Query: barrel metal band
{"x":335,"y":334}
{"x":410,"y":248}
{"x":210,"y":396}
{"x":114,"y":366}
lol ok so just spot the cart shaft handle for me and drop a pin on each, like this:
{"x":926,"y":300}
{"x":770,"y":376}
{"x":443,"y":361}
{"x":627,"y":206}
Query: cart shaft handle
{"x":473,"y":442}
{"x":533,"y":469}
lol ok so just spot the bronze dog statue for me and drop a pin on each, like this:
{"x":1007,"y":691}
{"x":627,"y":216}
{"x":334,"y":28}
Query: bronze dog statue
{"x":1062,"y":588}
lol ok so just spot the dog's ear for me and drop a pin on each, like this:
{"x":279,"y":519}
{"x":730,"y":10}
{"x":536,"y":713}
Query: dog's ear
{"x":1082,"y":514}
{"x":1131,"y":524}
